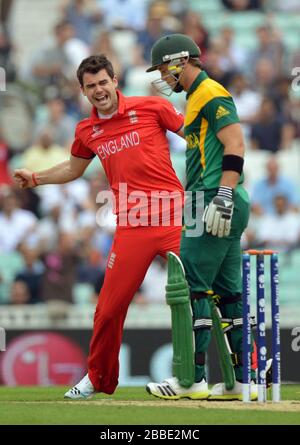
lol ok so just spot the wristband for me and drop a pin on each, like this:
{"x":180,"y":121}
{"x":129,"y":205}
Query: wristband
{"x":225,"y":192}
{"x":233,"y":163}
{"x":33,"y":177}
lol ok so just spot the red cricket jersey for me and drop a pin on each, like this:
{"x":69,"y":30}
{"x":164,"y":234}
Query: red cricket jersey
{"x":133,"y":148}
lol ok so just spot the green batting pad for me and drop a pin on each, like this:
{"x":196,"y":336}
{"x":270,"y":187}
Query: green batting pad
{"x":178,"y":298}
{"x":223,"y":352}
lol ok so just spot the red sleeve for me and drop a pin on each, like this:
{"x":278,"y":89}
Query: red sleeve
{"x":170,"y":118}
{"x":79,"y":150}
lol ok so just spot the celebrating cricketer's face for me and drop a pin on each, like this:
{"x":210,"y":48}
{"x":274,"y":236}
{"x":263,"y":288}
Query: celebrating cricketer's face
{"x":100,"y":89}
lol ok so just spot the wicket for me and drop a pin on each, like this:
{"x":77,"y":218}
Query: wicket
{"x":261,"y":326}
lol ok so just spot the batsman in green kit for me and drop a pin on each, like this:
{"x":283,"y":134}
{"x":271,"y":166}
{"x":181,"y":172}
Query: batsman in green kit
{"x":211,"y":259}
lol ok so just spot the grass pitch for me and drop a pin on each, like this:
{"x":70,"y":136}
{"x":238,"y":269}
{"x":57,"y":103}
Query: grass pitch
{"x":133,"y":406}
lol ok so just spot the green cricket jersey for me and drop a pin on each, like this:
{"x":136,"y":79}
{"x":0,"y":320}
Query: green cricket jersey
{"x":209,"y":108}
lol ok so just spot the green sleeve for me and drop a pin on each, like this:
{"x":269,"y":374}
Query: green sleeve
{"x":220,"y":112}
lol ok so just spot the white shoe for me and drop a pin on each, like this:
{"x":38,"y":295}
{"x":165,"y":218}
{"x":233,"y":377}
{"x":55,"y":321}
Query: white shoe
{"x":170,"y":389}
{"x":83,"y":390}
{"x":219,"y":392}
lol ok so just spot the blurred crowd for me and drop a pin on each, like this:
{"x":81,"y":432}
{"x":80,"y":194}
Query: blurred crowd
{"x":53,"y":228}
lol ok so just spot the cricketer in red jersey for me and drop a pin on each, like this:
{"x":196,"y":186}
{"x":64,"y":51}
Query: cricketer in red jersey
{"x":128,"y":134}
{"x":132,"y":146}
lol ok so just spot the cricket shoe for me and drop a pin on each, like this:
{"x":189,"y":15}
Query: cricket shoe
{"x":83,"y":390}
{"x":170,"y":389}
{"x":219,"y":392}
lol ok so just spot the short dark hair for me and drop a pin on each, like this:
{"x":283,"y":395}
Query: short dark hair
{"x":93,"y":64}
{"x":195,"y":62}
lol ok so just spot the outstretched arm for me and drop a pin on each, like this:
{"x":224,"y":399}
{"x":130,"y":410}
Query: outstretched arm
{"x":59,"y":174}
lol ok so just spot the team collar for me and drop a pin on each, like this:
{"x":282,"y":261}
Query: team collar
{"x":121,"y":107}
{"x":202,"y":76}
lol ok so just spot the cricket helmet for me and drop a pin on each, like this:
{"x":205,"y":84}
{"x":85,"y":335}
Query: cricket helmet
{"x":171,"y":47}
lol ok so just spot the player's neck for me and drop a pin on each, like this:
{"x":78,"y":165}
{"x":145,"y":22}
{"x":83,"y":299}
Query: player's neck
{"x":190,"y":75}
{"x":106,"y":116}
{"x":109,"y":112}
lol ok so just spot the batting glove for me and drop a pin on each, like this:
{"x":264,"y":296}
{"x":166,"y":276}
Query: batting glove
{"x":218,"y":214}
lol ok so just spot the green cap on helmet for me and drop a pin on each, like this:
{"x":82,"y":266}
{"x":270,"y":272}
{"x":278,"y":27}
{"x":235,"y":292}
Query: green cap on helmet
{"x":173,"y":44}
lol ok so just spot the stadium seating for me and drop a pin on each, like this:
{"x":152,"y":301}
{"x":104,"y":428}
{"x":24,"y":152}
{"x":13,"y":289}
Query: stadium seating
{"x":211,"y":6}
{"x":286,"y":21}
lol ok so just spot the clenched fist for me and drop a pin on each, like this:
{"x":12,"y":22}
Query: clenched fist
{"x":24,"y":178}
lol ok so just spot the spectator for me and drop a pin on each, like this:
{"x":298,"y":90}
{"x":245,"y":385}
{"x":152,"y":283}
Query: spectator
{"x":280,"y":231}
{"x":285,"y":103}
{"x":60,"y":272}
{"x":214,"y":67}
{"x":57,"y":60}
{"x":75,"y":49}
{"x":53,"y":115}
{"x":263,"y":76}
{"x":16,"y":225}
{"x":193,"y":27}
{"x":45,"y":153}
{"x":281,"y":95}
{"x":103,"y":45}
{"x":47,"y":230}
{"x":232,"y":55}
{"x":69,"y":198}
{"x":77,"y":107}
{"x":19,"y":293}
{"x":272,"y":185}
{"x":31,"y":274}
{"x":154,"y":29}
{"x":272,"y":131}
{"x":246,"y":101}
{"x":28,"y":200}
{"x":270,"y":47}
{"x":243,"y":5}
{"x":123,"y":14}
{"x":83,"y":15}
{"x":91,"y":268}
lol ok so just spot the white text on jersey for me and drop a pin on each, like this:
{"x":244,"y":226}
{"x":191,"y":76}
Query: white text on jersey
{"x":114,"y":145}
